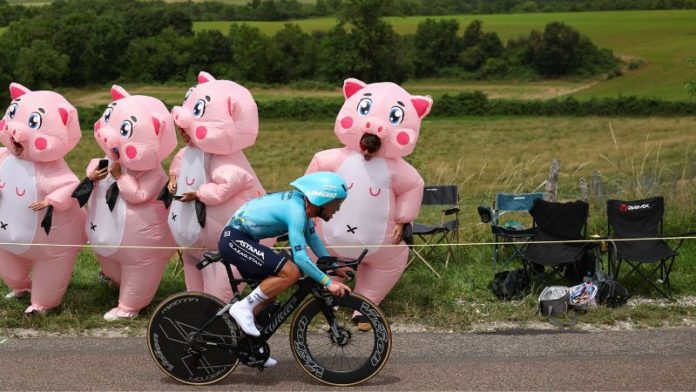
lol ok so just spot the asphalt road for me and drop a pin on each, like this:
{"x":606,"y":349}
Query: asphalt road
{"x":663,"y":359}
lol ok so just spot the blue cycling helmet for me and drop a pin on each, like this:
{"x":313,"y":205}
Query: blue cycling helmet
{"x":321,"y":188}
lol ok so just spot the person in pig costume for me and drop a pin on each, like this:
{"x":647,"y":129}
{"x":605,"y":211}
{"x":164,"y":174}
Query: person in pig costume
{"x":38,"y":130}
{"x":136,"y":133}
{"x":378,"y":124}
{"x":210,"y":177}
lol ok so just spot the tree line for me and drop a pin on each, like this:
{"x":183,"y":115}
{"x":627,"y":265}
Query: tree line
{"x":82,"y":42}
{"x":274,"y":10}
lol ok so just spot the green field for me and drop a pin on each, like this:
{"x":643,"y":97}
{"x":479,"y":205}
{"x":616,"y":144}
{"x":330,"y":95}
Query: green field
{"x":636,"y":158}
{"x":662,"y":39}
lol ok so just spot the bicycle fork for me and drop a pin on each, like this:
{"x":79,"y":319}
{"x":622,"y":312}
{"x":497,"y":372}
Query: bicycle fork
{"x":338,"y":336}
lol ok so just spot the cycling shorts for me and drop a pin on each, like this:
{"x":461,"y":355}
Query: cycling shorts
{"x":252,"y":259}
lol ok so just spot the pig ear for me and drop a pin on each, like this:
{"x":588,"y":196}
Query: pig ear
{"x":66,"y":114}
{"x":233,"y":107}
{"x":204,"y":77}
{"x":63,"y":115}
{"x":17,"y":90}
{"x":352,"y":86}
{"x":423,"y":104}
{"x":118,"y":92}
{"x":158,"y":124}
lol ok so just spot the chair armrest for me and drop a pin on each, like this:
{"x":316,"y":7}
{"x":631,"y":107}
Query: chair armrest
{"x":450,"y":211}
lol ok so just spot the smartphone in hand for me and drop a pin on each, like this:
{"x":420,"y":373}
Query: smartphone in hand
{"x":103,"y":163}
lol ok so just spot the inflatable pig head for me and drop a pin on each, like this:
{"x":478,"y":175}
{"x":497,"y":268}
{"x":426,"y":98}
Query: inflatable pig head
{"x":40,"y":126}
{"x":218,"y":116}
{"x":137,"y":131}
{"x":382,"y":109}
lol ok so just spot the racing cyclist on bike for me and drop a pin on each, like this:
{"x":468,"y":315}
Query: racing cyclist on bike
{"x":317,"y":195}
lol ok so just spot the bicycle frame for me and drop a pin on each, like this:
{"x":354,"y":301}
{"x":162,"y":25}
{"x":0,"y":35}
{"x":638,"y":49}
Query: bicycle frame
{"x":305,"y":287}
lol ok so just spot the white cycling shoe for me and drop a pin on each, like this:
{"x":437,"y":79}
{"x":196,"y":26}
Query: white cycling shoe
{"x":245,"y":319}
{"x":270,"y":362}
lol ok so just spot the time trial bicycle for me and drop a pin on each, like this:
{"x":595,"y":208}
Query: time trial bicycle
{"x":194,"y":340}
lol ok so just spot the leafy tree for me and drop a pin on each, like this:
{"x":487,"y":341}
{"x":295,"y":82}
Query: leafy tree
{"x":335,"y":58}
{"x":211,"y":52}
{"x":691,"y":84}
{"x":472,"y":58}
{"x":555,"y":52}
{"x":249,"y":48}
{"x":104,"y":55}
{"x":159,"y":58}
{"x":41,"y":66}
{"x":436,"y":46}
{"x":374,"y":41}
{"x":472,"y":34}
{"x":292,"y":55}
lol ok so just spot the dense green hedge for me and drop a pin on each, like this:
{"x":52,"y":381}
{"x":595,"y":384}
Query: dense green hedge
{"x":477,"y":104}
{"x":467,"y":104}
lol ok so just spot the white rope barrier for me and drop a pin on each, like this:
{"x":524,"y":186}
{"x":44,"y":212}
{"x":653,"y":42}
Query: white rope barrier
{"x":362,"y":246}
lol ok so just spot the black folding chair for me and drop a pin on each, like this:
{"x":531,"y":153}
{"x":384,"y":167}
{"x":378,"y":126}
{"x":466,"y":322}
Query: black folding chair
{"x":444,"y":233}
{"x":509,"y":233}
{"x":561,"y":227}
{"x":641,"y":219}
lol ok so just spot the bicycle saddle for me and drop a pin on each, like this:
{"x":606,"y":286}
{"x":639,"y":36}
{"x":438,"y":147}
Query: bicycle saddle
{"x":209,"y":258}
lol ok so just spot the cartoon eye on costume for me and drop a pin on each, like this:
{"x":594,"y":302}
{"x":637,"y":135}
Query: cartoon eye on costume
{"x":188,"y":94}
{"x":12,"y":110}
{"x":34,"y":121}
{"x":107,"y":114}
{"x":199,"y":108}
{"x":396,"y":115}
{"x":364,"y":106}
{"x":126,"y":129}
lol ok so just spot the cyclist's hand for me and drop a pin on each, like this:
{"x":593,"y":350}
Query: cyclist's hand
{"x":338,"y":289}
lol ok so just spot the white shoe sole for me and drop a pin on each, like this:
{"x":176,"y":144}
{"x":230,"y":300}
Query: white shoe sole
{"x":270,"y":362}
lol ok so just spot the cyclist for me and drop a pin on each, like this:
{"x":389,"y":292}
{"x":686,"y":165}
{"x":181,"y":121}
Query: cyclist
{"x":317,"y":195}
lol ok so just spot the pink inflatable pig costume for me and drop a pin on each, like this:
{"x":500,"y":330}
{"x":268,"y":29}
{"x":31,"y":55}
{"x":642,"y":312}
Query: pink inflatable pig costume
{"x":218,"y":119}
{"x":136,"y":133}
{"x":38,"y":130}
{"x":385,"y":192}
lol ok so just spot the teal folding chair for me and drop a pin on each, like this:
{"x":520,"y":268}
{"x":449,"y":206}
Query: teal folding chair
{"x":511,"y":225}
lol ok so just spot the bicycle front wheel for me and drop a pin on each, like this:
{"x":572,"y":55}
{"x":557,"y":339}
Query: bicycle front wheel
{"x":346,"y":356}
{"x":186,"y":352}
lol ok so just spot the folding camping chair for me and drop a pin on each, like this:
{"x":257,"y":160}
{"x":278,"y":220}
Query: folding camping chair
{"x":509,"y":233}
{"x":444,"y":233}
{"x":556,"y":224}
{"x":640,"y":219}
